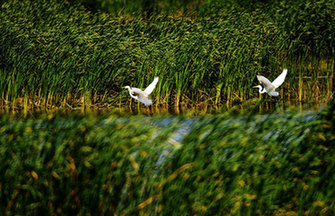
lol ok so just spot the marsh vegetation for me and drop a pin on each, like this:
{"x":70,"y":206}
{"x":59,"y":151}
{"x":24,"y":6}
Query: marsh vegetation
{"x":59,"y":54}
{"x":273,"y":164}
{"x":73,"y":142}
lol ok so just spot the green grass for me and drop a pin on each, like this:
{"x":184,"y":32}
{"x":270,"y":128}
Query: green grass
{"x":58,"y":54}
{"x":273,"y":164}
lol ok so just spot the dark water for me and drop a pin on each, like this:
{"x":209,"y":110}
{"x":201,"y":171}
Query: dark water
{"x":260,"y":106}
{"x":256,"y":106}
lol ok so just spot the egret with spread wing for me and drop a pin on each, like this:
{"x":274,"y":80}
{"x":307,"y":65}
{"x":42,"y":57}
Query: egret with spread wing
{"x":143,"y":96}
{"x":270,"y":87}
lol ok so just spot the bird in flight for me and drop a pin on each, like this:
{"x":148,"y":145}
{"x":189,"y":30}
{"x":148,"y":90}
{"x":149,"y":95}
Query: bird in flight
{"x":269,"y":87}
{"x":142,"y":96}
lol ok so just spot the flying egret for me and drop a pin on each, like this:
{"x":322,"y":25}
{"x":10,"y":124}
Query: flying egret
{"x":270,"y":87}
{"x":140,"y":95}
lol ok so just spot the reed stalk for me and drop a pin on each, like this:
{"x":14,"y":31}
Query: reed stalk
{"x":212,"y":51}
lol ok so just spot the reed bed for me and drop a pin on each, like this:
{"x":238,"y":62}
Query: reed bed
{"x":60,"y":54}
{"x":273,"y":164}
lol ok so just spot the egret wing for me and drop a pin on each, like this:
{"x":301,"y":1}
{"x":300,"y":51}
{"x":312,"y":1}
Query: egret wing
{"x":137,"y":91}
{"x":280,"y":79}
{"x":152,"y":86}
{"x":266,"y":83}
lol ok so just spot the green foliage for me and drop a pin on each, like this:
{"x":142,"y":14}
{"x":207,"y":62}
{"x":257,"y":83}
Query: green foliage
{"x":55,"y":52}
{"x":306,"y":26}
{"x":275,"y":164}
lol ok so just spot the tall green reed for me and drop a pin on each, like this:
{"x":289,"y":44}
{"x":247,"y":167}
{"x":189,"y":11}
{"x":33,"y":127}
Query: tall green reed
{"x":63,"y":53}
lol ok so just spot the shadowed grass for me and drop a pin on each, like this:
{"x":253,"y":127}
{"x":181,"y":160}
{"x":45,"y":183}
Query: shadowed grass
{"x":275,"y":164}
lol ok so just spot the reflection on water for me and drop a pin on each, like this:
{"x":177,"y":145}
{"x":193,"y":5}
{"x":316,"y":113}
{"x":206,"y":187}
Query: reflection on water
{"x":253,"y":105}
{"x":265,"y":104}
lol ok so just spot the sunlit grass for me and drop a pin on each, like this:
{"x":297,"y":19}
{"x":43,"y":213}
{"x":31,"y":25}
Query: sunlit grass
{"x":57,"y":54}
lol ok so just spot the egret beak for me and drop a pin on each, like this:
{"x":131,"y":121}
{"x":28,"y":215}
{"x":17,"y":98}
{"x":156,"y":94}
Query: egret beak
{"x":255,"y":87}
{"x":124,"y":87}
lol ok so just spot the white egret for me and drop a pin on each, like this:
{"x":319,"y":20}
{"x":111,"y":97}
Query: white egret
{"x":270,"y":87}
{"x":140,"y":95}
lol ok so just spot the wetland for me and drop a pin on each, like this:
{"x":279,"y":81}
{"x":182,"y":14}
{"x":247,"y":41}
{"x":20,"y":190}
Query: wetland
{"x":72,"y":141}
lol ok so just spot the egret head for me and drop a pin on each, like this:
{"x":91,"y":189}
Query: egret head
{"x":126,"y":87}
{"x":258,"y":86}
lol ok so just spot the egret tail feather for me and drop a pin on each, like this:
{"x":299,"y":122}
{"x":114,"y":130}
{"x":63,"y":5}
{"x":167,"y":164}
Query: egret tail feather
{"x":273,"y":93}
